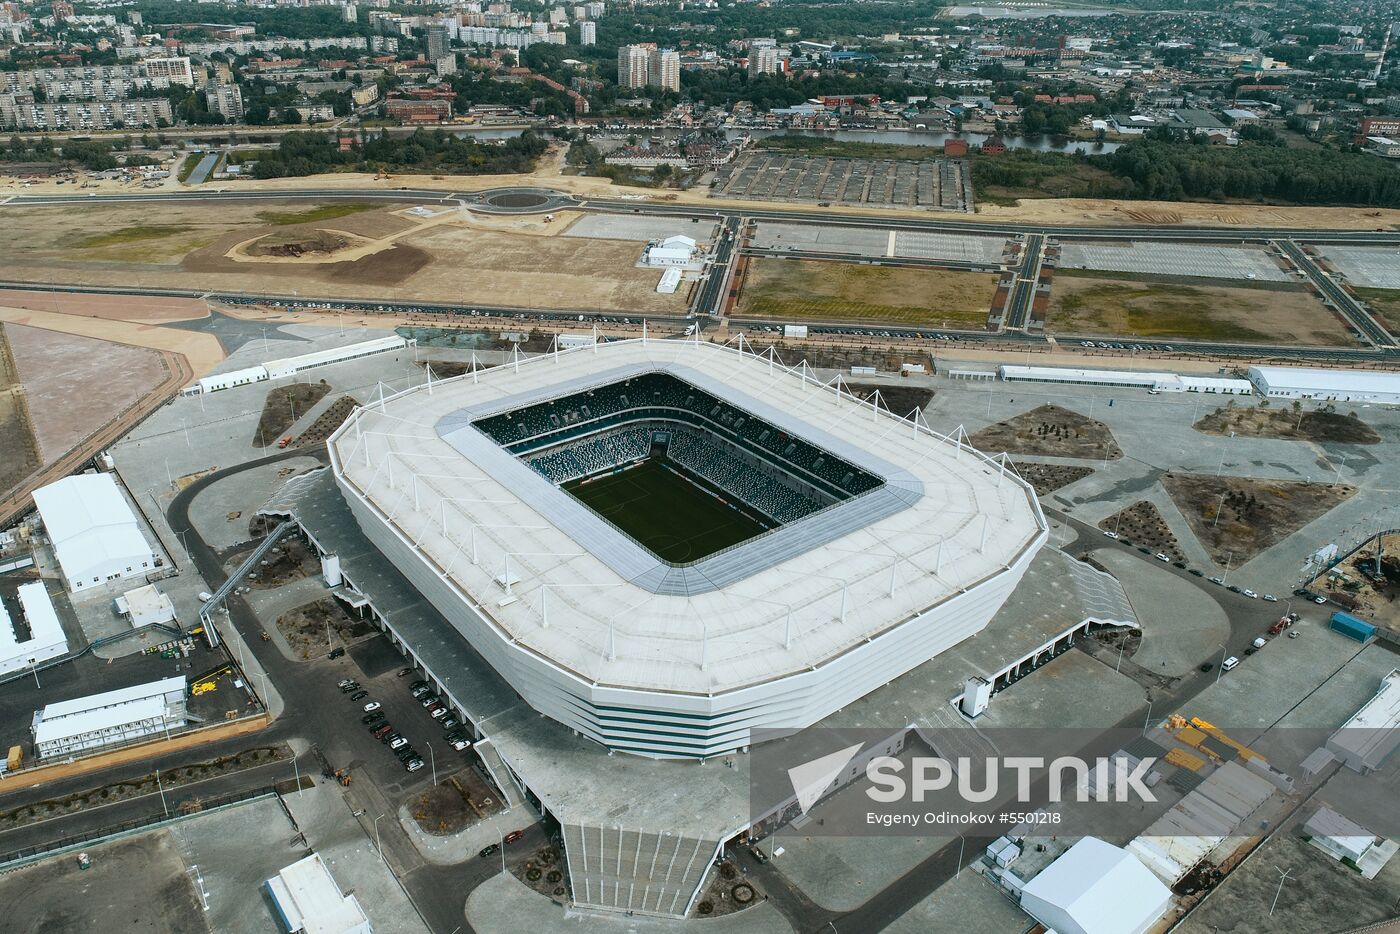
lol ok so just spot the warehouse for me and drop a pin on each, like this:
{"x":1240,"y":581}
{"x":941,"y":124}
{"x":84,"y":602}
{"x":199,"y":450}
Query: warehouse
{"x":673,"y":251}
{"x":290,"y":366}
{"x":94,"y":533}
{"x":112,"y":717}
{"x":1096,"y":888}
{"x":46,"y":639}
{"x":1288,"y":382}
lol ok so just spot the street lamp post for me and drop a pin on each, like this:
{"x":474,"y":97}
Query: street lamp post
{"x":378,"y":845}
{"x":1283,"y":874}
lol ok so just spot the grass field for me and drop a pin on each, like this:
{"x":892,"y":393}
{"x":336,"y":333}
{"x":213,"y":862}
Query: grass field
{"x":827,"y":291}
{"x":131,"y":235}
{"x":1126,"y":306}
{"x":673,"y":518}
{"x":325,"y":212}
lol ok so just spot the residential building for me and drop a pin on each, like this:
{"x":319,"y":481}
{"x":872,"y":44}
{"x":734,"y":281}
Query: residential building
{"x":587,"y":33}
{"x":763,"y":60}
{"x":632,"y":66}
{"x":415,"y":111}
{"x":438,"y":42}
{"x":664,"y":69}
{"x":225,"y":100}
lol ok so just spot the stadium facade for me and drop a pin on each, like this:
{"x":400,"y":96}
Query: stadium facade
{"x":878,"y":543}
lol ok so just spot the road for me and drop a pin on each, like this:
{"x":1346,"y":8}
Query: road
{"x":709,"y":299}
{"x":1023,"y":294}
{"x":1349,"y":307}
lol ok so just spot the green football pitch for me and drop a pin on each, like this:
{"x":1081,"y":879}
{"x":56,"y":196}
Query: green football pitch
{"x":677,"y":520}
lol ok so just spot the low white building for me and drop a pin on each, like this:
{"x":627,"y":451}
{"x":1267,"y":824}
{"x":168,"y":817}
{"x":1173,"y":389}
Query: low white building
{"x":1096,"y":888}
{"x":1347,"y":841}
{"x":670,"y":281}
{"x":1296,"y":382}
{"x":1371,"y":734}
{"x":84,"y":723}
{"x":673,"y":251}
{"x":46,"y":639}
{"x":95,"y":535}
{"x":1128,"y":379}
{"x":289,"y":366}
{"x":145,"y":606}
{"x":308,"y":900}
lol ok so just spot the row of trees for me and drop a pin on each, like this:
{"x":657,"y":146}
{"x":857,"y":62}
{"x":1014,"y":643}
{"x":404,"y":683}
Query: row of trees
{"x":299,"y":154}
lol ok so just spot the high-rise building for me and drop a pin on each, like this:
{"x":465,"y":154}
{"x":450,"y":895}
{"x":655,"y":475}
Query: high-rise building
{"x":664,"y":69}
{"x":349,"y":12}
{"x":632,"y":66}
{"x":587,"y":33}
{"x":437,"y":42}
{"x":225,"y":99}
{"x":763,"y":59}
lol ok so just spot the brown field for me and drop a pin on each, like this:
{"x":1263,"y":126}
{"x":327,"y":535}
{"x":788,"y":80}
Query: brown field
{"x":1384,"y":304}
{"x":1291,"y":423}
{"x":1255,"y":514}
{"x":284,"y":405}
{"x":442,"y":258}
{"x":1127,"y":307}
{"x":901,"y":400}
{"x":1047,"y":478}
{"x":1049,"y":431}
{"x":818,"y":290}
{"x":21,"y":455}
{"x":1142,"y":524}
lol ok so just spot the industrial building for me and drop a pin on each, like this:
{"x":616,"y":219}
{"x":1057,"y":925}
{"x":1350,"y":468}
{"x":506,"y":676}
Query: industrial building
{"x":290,"y":366}
{"x":308,"y":901}
{"x":1128,"y":379}
{"x":673,"y":251}
{"x":1371,"y":734}
{"x":86,"y":723}
{"x":1290,"y":382}
{"x":95,"y":535}
{"x":145,"y":606}
{"x":46,"y":639}
{"x":1096,"y":888}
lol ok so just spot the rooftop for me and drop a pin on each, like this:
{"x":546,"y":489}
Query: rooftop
{"x":480,"y":517}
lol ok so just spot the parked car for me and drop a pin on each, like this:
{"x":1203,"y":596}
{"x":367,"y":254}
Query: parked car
{"x":359,"y":695}
{"x":514,"y":835}
{"x":1250,"y":594}
{"x":1163,"y":557}
{"x":489,"y":850}
{"x":419,"y":684}
{"x":1229,"y":664}
{"x":1195,"y":572}
{"x":405,"y":672}
{"x":347,"y":686}
{"x":1234,"y":588}
{"x":434,"y":707}
{"x":421,"y":690}
{"x":398,"y":743}
{"x":336,"y":652}
{"x":413,"y":765}
{"x":1205,"y":667}
{"x":381,"y":731}
{"x":390,"y":736}
{"x":373,"y":705}
{"x":1294,"y":634}
{"x":437,"y":713}
{"x":449,"y":722}
{"x":460,"y":743}
{"x":1111,"y":534}
{"x":1270,"y":598}
{"x":1217,"y":580}
{"x":428,"y":700}
{"x":372,"y":717}
{"x":1319,"y":600}
{"x":344,"y":683}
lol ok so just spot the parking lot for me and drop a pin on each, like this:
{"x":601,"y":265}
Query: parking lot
{"x":1369,"y":267}
{"x":934,"y":184}
{"x":639,"y":227}
{"x":1175,"y":259}
{"x":865,"y":241}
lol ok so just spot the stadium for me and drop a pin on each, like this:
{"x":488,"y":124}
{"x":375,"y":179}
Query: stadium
{"x":665,"y":545}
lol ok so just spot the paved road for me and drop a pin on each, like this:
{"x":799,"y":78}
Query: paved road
{"x":1348,"y":306}
{"x":1023,"y":292}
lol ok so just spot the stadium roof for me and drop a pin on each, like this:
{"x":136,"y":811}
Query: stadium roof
{"x":475,"y":513}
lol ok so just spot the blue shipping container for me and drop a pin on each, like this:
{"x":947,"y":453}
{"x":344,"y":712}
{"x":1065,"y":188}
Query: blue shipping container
{"x":1351,"y":627}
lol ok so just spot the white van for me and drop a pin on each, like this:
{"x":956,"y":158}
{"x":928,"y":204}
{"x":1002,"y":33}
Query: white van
{"x":1229,"y":663}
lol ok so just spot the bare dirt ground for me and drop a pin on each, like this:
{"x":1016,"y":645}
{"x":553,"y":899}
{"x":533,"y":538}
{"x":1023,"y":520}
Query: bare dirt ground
{"x":17,"y":441}
{"x":901,"y":400}
{"x":199,"y":353}
{"x":327,"y":422}
{"x":1252,"y":515}
{"x":1262,"y":421}
{"x":829,"y":291}
{"x":1367,"y":589}
{"x":1141,"y":524}
{"x":283,"y":406}
{"x":1384,"y":304}
{"x":70,"y":386}
{"x":1128,"y":307}
{"x":1047,"y":478}
{"x":307,"y":627}
{"x":445,"y":257}
{"x":1049,"y":431}
{"x":458,"y":802}
{"x":147,"y":309}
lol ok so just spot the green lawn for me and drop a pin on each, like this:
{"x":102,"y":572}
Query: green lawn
{"x":131,"y":235}
{"x":672,"y":517}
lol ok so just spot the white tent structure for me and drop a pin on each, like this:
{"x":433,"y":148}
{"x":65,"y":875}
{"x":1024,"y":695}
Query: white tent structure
{"x":95,"y":535}
{"x":1096,"y":888}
